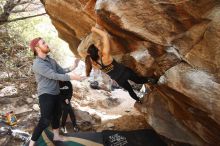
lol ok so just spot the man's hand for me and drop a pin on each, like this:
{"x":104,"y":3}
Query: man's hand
{"x":82,"y":78}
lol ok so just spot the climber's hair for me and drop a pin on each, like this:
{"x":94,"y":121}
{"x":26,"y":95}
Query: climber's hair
{"x":88,"y":64}
{"x":93,"y":52}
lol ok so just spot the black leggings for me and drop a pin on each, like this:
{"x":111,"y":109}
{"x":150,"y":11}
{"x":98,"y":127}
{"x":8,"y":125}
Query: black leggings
{"x":50,"y":109}
{"x":67,"y":109}
{"x":131,"y":75}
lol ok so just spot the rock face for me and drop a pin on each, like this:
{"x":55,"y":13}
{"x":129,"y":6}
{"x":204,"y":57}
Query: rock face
{"x":178,"y":40}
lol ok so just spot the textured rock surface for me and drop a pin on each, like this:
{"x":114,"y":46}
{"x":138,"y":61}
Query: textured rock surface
{"x":177,"y":39}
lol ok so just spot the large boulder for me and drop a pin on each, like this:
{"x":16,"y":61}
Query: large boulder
{"x":179,"y":41}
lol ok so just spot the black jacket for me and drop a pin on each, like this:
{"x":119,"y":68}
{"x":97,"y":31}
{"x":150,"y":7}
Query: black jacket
{"x":66,"y":90}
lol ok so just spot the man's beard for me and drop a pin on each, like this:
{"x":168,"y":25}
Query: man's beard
{"x":46,"y":51}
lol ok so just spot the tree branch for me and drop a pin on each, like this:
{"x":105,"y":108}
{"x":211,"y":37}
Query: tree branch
{"x":24,"y":2}
{"x":9,"y":8}
{"x":22,"y":18}
{"x":27,"y":10}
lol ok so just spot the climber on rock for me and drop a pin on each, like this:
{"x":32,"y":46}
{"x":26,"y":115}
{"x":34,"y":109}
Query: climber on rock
{"x":100,"y":58}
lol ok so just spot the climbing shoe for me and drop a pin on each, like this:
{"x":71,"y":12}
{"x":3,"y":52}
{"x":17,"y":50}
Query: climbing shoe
{"x":63,"y":129}
{"x":76,"y":129}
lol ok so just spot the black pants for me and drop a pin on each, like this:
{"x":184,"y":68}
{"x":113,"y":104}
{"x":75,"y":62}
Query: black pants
{"x":67,"y":109}
{"x":50,"y":109}
{"x":131,"y":75}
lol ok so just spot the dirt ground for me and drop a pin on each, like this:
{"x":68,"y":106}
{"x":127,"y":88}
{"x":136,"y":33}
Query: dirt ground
{"x":95,"y":110}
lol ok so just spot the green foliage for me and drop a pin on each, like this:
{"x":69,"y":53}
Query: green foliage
{"x":15,"y":38}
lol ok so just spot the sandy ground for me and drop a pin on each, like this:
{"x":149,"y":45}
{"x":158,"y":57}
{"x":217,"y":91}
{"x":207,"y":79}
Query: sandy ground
{"x":115,"y":109}
{"x":103,"y":109}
